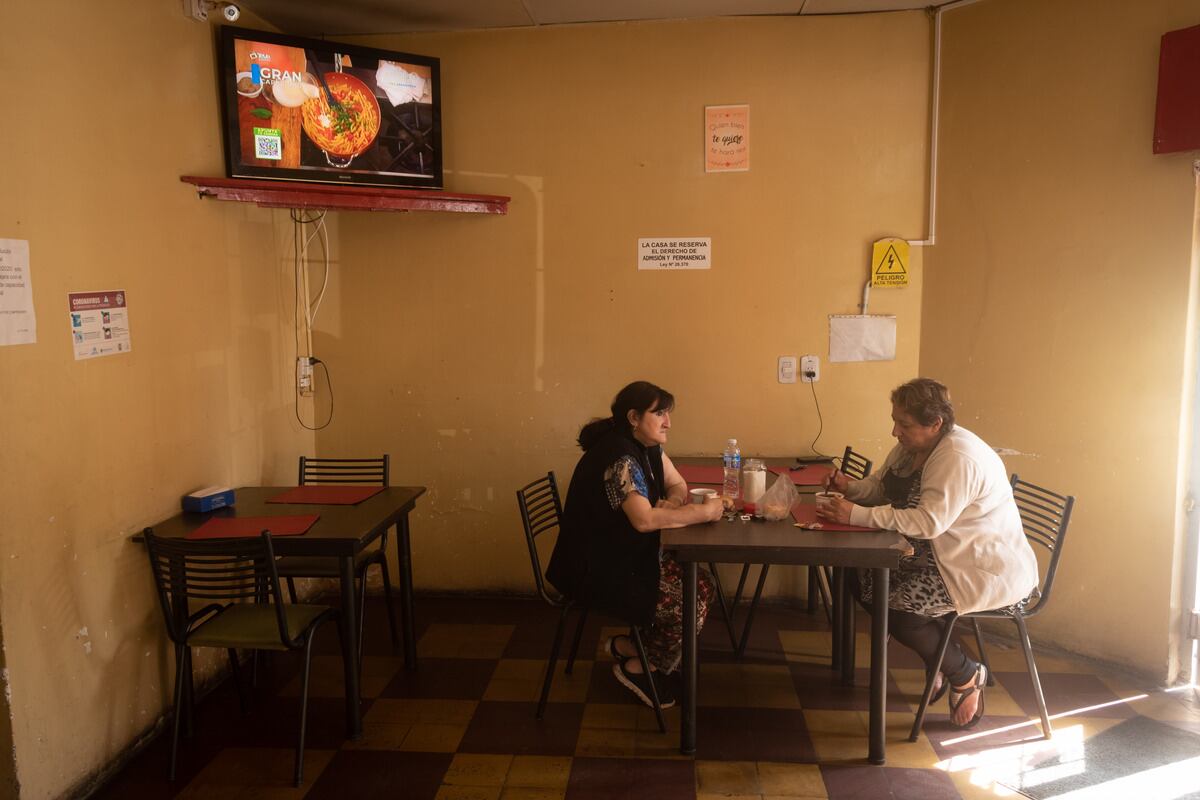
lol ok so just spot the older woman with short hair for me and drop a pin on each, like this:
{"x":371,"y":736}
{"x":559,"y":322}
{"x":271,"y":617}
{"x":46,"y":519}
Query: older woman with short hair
{"x":948,"y":492}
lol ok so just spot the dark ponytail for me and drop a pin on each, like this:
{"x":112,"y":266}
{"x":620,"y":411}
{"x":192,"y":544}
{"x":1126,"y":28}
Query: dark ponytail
{"x":639,"y":396}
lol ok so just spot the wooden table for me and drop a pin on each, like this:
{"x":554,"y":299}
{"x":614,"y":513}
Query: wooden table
{"x":343,"y":531}
{"x":783,"y":543}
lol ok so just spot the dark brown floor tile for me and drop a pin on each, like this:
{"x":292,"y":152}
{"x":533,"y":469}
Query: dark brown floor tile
{"x":753,"y":734}
{"x":275,"y":722}
{"x":512,"y":728}
{"x":372,"y":774}
{"x":939,"y":731}
{"x":632,"y":778}
{"x":819,"y":687}
{"x":1065,"y":692}
{"x":449,"y":678}
{"x":887,"y":783}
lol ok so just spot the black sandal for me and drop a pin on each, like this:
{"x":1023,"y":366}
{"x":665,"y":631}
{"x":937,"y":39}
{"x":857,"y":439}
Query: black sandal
{"x":940,"y":692}
{"x":980,"y":682}
{"x":639,"y":684}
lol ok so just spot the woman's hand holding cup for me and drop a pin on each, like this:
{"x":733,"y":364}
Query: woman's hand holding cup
{"x":833,"y":507}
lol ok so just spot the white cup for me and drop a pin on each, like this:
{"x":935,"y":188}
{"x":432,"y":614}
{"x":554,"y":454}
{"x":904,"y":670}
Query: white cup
{"x":826,"y":498}
{"x":700,"y":495}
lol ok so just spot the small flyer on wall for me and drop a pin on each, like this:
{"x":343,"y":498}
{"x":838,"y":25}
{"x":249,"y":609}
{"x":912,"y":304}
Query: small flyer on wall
{"x":99,"y":323}
{"x":18,"y":324}
{"x":727,"y":138}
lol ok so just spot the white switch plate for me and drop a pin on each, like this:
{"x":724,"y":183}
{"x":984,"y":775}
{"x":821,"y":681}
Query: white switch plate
{"x":786,"y":371}
{"x":810,"y":364}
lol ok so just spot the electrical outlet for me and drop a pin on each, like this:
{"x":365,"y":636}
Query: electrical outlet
{"x":304,"y":375}
{"x":786,"y":371}
{"x":810,"y":369}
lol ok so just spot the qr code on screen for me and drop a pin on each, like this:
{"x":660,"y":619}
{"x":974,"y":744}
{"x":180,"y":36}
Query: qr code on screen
{"x":268,"y":147}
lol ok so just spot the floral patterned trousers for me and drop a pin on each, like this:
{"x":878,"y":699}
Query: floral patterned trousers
{"x":664,"y":638}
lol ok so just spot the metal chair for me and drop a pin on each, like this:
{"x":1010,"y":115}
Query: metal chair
{"x":854,"y":466}
{"x":1045,"y":516}
{"x":541,"y":512}
{"x":362,"y":471}
{"x":228,"y":571}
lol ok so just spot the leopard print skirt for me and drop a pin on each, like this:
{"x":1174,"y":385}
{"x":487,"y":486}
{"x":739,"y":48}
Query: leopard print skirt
{"x":915,"y":586}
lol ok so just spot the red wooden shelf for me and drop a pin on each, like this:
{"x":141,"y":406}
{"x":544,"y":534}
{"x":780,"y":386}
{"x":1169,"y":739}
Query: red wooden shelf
{"x":335,"y":197}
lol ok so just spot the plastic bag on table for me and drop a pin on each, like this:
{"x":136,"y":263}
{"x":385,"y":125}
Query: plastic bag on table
{"x":776,"y":503}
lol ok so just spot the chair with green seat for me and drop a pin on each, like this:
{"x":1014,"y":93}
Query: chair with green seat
{"x":245,"y":612}
{"x":345,"y":471}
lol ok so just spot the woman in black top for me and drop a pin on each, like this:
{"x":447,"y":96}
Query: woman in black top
{"x":608,"y":557}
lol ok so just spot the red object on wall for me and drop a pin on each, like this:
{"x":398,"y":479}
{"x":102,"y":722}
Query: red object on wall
{"x":1177,"y":115}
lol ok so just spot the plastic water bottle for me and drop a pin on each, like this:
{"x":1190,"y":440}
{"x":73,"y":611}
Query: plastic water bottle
{"x":733,"y":470}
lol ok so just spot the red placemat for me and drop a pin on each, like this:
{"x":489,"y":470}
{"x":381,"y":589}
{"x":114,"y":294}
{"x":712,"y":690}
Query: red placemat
{"x":326,"y":495}
{"x":246,"y":527}
{"x":808,"y":475}
{"x":806,"y":513}
{"x":693,"y":473}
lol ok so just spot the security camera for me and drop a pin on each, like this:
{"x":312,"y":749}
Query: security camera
{"x":231,"y":12}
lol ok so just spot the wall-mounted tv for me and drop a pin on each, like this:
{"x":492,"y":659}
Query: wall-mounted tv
{"x":311,"y":110}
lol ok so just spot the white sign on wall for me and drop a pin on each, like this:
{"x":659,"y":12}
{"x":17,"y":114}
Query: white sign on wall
{"x":675,"y":252}
{"x":18,"y":324}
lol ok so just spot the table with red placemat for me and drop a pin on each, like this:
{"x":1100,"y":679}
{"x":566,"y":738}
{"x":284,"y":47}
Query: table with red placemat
{"x":783,"y":542}
{"x":336,"y":521}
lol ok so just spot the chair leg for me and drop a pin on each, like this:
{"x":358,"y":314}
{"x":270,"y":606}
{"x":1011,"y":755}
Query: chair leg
{"x":189,"y":722}
{"x":762,"y":579}
{"x":550,"y":662}
{"x":810,"y":602}
{"x":388,"y":604}
{"x":727,"y":612}
{"x":1047,"y":732}
{"x":235,"y":670}
{"x":991,"y":681}
{"x":292,"y":591}
{"x":299,"y":779}
{"x":181,"y":664}
{"x":362,"y":615}
{"x":575,"y":640}
{"x":824,"y":584}
{"x":658,"y":712}
{"x":931,"y":676}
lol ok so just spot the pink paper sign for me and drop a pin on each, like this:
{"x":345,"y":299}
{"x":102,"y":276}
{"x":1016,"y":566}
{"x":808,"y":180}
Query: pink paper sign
{"x":727,"y":138}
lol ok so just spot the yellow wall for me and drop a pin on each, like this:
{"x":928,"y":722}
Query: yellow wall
{"x":105,"y":109}
{"x":472,"y":349}
{"x":1056,"y":296}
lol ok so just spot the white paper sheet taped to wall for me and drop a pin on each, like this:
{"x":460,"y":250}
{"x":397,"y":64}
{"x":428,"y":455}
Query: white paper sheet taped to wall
{"x":860,"y":337}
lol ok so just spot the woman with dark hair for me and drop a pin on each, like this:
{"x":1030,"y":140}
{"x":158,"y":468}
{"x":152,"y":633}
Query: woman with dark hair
{"x":608,"y":558}
{"x":947,"y":491}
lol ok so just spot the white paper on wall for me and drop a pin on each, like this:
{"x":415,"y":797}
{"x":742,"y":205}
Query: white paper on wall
{"x":18,"y":323}
{"x":862,"y":337}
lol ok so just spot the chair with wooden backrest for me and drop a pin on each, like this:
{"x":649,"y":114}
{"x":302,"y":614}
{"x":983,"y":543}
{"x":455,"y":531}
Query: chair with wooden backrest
{"x":854,"y":466}
{"x":1045,"y":516}
{"x":360,"y":471}
{"x":541,"y":511}
{"x":246,"y":611}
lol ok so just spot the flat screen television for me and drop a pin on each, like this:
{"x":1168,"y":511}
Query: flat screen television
{"x":310,"y":110}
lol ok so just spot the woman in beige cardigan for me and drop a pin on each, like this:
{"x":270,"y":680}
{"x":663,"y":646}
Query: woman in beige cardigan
{"x":949,"y":494}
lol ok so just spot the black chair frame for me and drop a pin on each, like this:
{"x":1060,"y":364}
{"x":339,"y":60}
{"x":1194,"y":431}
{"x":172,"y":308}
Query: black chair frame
{"x":226,"y":572}
{"x":360,"y":471}
{"x":1045,"y":516}
{"x":541,"y":512}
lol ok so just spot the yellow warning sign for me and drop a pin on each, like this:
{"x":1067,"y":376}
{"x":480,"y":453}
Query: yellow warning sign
{"x":889,"y":263}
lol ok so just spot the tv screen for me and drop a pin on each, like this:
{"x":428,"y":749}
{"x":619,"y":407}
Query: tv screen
{"x":310,"y":110}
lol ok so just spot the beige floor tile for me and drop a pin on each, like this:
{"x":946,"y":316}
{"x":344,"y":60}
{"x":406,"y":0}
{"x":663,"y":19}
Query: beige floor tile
{"x":531,"y":793}
{"x":520,"y":680}
{"x":603,"y":743}
{"x":610,"y":715}
{"x":413,"y":710}
{"x":432,"y":737}
{"x":255,"y":774}
{"x":748,"y":685}
{"x":380,"y":736}
{"x":539,"y":772}
{"x":810,"y":647}
{"x":455,"y":792}
{"x":443,"y":640}
{"x":727,"y":777}
{"x":708,"y":796}
{"x":790,"y":780}
{"x":470,"y":769}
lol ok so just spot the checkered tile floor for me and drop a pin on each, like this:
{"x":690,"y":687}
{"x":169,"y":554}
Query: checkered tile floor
{"x":775,"y":725}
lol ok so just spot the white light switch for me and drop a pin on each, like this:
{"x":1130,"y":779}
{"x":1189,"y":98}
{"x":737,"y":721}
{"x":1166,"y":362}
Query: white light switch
{"x":787,"y":369}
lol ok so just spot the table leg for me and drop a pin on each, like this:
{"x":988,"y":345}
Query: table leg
{"x":349,"y":632}
{"x":849,"y":634}
{"x":879,"y":614}
{"x":810,"y":603}
{"x":404,"y":556}
{"x":835,"y":656}
{"x":687,"y":726}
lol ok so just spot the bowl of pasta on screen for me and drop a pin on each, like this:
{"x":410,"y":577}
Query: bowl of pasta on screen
{"x":346,"y":128}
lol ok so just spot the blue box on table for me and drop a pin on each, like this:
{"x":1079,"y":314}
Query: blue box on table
{"x":208,"y":499}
